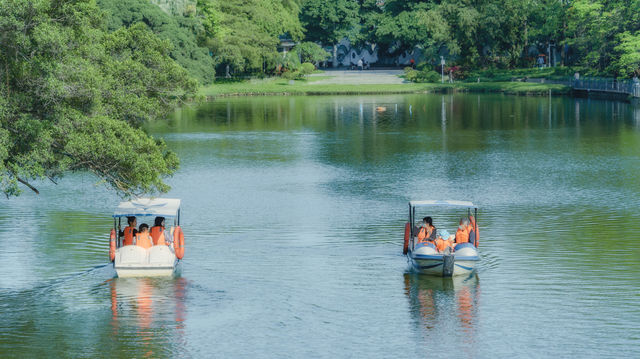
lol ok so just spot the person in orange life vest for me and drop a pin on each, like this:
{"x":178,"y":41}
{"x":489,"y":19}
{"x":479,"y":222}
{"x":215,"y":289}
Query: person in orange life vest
{"x":475,"y":231}
{"x":465,"y":232}
{"x":427,"y":232}
{"x":129,"y":232}
{"x":143,"y":239}
{"x":443,"y":240}
{"x":157,"y":232}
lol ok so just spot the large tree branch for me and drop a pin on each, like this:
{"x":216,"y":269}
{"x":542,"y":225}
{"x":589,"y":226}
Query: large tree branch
{"x":28,"y":185}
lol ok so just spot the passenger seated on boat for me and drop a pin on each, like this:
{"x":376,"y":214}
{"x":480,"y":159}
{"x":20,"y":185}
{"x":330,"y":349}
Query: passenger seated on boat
{"x":444,"y":240}
{"x":474,"y":233}
{"x":427,"y":232}
{"x":157,"y":232}
{"x":465,"y":233}
{"x":143,"y":239}
{"x":129,"y":232}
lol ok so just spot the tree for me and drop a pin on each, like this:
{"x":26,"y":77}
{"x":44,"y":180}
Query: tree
{"x":627,"y":61}
{"x":311,"y":52}
{"x":181,"y":31}
{"x":73,"y":97}
{"x":328,"y":22}
{"x":248,"y":32}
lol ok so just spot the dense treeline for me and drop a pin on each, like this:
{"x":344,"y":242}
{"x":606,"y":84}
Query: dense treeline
{"x":78,"y":78}
{"x":242,"y":36}
{"x":216,"y":37}
{"x":603,"y":36}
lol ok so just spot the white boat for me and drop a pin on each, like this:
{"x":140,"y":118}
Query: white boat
{"x":159,"y":260}
{"x":424,"y":256}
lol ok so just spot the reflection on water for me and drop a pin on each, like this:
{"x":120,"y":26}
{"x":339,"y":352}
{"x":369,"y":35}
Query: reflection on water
{"x":150,"y":312}
{"x":444,"y":307}
{"x":294,"y":209}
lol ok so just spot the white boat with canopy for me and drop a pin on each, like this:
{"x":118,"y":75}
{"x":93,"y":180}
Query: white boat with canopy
{"x":132,"y":260}
{"x":425,"y":258}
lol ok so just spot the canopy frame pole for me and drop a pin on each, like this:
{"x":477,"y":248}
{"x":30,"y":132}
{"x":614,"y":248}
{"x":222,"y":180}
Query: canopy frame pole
{"x":475,"y":217}
{"x":115,"y":228}
{"x":412,"y":216}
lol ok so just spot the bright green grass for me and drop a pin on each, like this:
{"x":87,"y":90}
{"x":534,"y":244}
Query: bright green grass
{"x":278,"y":86}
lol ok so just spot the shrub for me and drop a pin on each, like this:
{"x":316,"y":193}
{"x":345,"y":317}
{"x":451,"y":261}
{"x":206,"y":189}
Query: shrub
{"x":421,"y":76}
{"x":291,"y":61}
{"x":429,"y":76}
{"x":307,"y":68}
{"x":312,"y":52}
{"x":291,"y":75}
{"x":410,"y":74}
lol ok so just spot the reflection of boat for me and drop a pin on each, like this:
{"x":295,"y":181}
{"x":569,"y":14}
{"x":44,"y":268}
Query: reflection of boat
{"x":147,"y":300}
{"x":424,"y":256}
{"x":435,"y":299}
{"x":159,"y":260}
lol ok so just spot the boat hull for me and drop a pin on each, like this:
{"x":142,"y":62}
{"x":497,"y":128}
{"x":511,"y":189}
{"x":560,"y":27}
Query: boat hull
{"x":135,"y":261}
{"x":425,"y":259}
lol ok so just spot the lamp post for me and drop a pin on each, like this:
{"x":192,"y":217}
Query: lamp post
{"x":441,"y":69}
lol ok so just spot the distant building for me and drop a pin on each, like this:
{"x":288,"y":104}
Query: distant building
{"x":176,"y":7}
{"x":348,"y":55}
{"x":286,"y":44}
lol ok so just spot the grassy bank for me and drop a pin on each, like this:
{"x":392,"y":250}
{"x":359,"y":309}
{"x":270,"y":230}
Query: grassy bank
{"x":277,"y":86}
{"x":514,"y":88}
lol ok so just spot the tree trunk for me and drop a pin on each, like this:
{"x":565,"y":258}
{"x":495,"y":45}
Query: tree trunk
{"x":335,"y":55}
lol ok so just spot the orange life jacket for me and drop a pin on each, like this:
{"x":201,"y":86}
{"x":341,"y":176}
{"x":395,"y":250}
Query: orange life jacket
{"x":144,"y":240}
{"x":462,"y":236}
{"x":157,"y":234}
{"x":442,"y":244}
{"x":128,"y":236}
{"x":423,"y":234}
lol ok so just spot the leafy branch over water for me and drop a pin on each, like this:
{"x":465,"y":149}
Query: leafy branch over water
{"x":73,"y":97}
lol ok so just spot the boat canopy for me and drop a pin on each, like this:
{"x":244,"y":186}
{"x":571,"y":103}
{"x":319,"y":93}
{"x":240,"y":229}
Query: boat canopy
{"x":140,"y":207}
{"x":442,"y":203}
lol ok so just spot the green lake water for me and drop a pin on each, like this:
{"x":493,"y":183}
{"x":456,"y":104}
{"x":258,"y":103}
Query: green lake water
{"x":294,"y":211}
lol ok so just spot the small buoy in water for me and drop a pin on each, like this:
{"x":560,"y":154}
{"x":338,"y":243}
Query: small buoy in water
{"x":381,"y":109}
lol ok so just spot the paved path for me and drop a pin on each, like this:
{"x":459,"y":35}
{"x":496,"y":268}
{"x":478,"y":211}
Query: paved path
{"x":355,"y":77}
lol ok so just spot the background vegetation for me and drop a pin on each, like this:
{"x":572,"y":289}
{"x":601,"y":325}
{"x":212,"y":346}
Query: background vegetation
{"x":79,"y":77}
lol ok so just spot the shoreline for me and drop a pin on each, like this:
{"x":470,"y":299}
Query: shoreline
{"x":281,"y":87}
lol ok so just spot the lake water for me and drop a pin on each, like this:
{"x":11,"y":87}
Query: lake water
{"x":294,"y":209}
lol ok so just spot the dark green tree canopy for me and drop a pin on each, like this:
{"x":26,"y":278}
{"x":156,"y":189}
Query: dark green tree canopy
{"x":328,"y":21}
{"x":181,"y":31}
{"x":246,"y":33}
{"x":72,"y":97}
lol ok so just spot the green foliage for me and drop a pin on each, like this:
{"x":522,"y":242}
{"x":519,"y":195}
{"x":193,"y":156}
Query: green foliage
{"x":72,"y":97}
{"x":247,"y":36}
{"x":290,"y":61}
{"x":311,"y":52}
{"x":421,"y":76}
{"x":328,"y":22}
{"x":488,"y":33}
{"x":180,"y":31}
{"x":627,"y":62}
{"x":292,"y":75}
{"x":307,"y":68}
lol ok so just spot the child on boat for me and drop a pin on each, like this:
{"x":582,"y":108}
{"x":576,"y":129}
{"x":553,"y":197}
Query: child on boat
{"x":444,"y":240}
